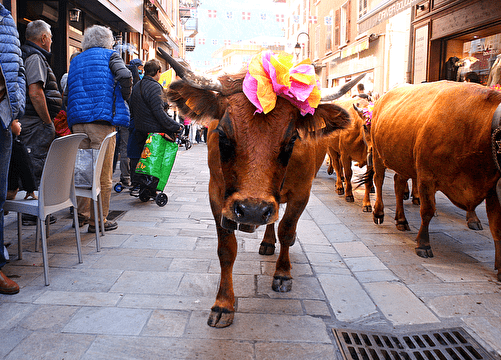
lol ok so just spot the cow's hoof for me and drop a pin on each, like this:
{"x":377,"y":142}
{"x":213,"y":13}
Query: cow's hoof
{"x":281,"y":284}
{"x":266,"y":249}
{"x":330,"y":171}
{"x":475,"y":225}
{"x":340,"y":191}
{"x":424,"y":252}
{"x":349,"y":198}
{"x":406,"y":195}
{"x":416,"y":201}
{"x":403,"y":226}
{"x":378,"y":219}
{"x":367,"y":208}
{"x":220,"y":317}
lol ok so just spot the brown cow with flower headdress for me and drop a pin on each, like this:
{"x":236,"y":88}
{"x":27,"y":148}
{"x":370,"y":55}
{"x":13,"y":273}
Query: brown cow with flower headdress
{"x":264,"y":148}
{"x":441,"y":134}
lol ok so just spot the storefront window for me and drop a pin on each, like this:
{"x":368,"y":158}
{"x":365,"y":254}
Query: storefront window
{"x":474,"y":58}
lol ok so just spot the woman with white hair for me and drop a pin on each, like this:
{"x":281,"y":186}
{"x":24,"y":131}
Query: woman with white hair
{"x":98,"y":86}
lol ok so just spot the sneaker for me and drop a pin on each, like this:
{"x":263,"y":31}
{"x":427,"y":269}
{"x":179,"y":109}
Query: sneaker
{"x":7,"y":286}
{"x":31,"y":220}
{"x":108,"y":226}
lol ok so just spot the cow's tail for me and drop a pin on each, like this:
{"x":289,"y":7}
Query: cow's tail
{"x":368,"y":176}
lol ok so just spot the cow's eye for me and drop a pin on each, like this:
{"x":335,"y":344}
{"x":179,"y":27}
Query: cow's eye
{"x":286,"y":151}
{"x":226,"y":146}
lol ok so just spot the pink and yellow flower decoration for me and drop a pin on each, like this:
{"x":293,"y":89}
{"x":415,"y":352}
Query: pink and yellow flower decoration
{"x":270,"y":75}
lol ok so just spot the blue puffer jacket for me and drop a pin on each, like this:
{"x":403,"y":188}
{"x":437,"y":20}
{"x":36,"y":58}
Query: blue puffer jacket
{"x":95,"y":92}
{"x":11,"y":66}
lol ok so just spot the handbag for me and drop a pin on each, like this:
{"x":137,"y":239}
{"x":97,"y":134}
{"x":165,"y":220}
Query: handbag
{"x":84,"y":167}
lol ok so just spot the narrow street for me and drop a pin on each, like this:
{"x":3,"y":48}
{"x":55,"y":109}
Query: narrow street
{"x":148,"y":293}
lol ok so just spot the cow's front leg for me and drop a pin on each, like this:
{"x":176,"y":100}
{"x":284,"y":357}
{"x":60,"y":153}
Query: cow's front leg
{"x":366,"y":202}
{"x":267,"y":246}
{"x":282,"y":279}
{"x":348,"y":173}
{"x":338,"y":168}
{"x":427,"y":211}
{"x":223,"y":311}
{"x":400,"y":186}
{"x":493,"y":209}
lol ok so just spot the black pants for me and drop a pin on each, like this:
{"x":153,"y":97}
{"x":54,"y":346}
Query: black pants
{"x":20,"y":173}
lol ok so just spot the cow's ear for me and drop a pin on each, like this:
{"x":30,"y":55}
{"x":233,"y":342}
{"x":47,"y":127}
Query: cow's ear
{"x":196,"y":103}
{"x":326,"y":119}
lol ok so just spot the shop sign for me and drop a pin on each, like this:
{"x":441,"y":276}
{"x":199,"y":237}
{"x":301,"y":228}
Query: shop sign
{"x":383,"y":13}
{"x":420,"y":54}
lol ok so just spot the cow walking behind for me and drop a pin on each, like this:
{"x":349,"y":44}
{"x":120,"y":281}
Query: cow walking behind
{"x":440,"y":134}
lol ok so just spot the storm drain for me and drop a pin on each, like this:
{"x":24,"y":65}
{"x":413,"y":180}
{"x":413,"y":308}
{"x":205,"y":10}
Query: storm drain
{"x":444,"y":344}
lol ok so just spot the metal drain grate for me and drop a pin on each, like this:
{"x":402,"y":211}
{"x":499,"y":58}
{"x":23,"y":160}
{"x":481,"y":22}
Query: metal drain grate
{"x":444,"y":344}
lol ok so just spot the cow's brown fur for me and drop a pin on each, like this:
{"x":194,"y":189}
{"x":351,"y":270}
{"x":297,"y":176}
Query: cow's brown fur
{"x":250,"y":168}
{"x":440,"y":134}
{"x":346,"y":146}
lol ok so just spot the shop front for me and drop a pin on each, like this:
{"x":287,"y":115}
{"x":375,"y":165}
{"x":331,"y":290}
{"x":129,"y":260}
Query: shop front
{"x":457,"y":40}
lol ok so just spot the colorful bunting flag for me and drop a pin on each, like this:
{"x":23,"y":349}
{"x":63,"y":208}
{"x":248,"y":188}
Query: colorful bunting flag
{"x":328,"y":20}
{"x":212,"y":14}
{"x":280,"y":17}
{"x":246,"y":15}
{"x":263,"y":17}
{"x":193,"y":13}
{"x":201,"y":41}
{"x":229,"y":15}
{"x":214,"y":41}
{"x":313,"y":19}
{"x":227,"y":42}
{"x":296,"y":19}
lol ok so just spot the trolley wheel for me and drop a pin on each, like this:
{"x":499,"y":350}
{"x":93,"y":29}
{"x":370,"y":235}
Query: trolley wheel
{"x":161,"y":199}
{"x":188,"y":145}
{"x":144,"y":196}
{"x":118,"y":187}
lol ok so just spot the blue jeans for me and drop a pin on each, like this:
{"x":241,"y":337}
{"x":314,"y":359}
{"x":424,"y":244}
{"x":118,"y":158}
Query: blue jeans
{"x":5,"y":151}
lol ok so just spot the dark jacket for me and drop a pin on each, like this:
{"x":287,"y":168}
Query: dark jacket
{"x":147,"y":108}
{"x":11,"y":67}
{"x":98,"y":85}
{"x":51,"y":90}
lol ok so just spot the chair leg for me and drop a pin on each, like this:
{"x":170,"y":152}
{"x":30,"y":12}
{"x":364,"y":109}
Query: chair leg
{"x":19,"y":236}
{"x":77,"y":233}
{"x":37,"y":234}
{"x":96,"y":224}
{"x":101,"y":217}
{"x":44,"y":252}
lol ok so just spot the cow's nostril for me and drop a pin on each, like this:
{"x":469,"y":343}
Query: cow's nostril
{"x":239,"y":210}
{"x":268,"y":211}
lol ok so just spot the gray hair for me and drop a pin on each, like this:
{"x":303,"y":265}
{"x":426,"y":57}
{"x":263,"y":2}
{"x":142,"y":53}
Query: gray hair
{"x":36,"y":29}
{"x":97,"y":36}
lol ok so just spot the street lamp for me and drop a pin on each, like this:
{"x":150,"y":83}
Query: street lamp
{"x":297,"y":48}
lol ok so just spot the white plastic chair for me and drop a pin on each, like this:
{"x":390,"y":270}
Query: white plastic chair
{"x":94,"y":192}
{"x":56,"y":192}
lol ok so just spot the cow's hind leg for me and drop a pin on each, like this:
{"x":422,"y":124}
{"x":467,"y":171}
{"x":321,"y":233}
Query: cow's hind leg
{"x":400,"y":186}
{"x":427,"y":211}
{"x":223,"y":311}
{"x":267,"y":246}
{"x":379,"y":170}
{"x":282,"y":279}
{"x":473,"y":221}
{"x":336,"y":162}
{"x":415,"y":193}
{"x":493,"y":209}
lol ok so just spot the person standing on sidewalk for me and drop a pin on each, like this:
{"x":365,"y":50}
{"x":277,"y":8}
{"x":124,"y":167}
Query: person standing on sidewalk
{"x":12,"y":104}
{"x":99,"y":84}
{"x":43,"y":100}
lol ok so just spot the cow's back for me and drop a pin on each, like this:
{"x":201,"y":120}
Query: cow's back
{"x":441,"y":132}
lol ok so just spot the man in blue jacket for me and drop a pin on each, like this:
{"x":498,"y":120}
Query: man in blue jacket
{"x":12,"y":103}
{"x":99,"y":84}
